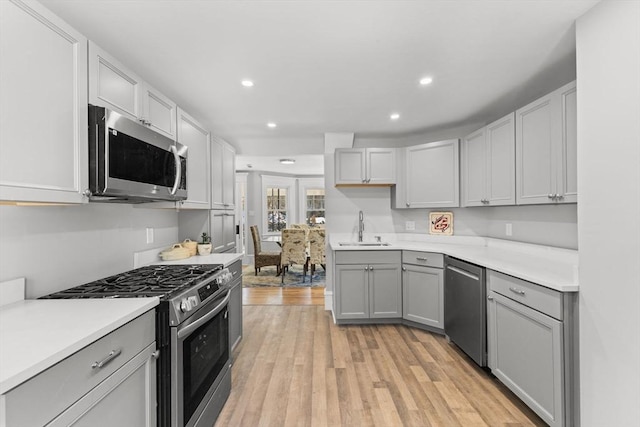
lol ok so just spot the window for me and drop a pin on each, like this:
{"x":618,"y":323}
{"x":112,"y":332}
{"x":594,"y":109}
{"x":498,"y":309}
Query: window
{"x":276,"y":209}
{"x":278,"y":203}
{"x":314,"y":213}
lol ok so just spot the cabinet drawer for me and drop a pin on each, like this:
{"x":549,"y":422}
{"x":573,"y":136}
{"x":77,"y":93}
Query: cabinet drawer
{"x":535,"y":296}
{"x":367,"y":257}
{"x":55,"y":389}
{"x":428,"y":259}
{"x":236,"y":269}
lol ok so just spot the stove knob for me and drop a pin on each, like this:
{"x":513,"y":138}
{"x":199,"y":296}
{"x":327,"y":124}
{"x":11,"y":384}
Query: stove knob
{"x":185,"y":305}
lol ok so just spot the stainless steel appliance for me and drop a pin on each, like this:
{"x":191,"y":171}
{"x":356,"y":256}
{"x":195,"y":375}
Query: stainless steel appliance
{"x":465,"y":308}
{"x":130,"y":162}
{"x":192,"y":335}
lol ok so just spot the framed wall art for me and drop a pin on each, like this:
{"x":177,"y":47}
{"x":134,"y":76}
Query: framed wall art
{"x":441,"y":223}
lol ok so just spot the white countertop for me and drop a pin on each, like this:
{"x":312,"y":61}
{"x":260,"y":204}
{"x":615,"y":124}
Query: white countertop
{"x":226,"y":259}
{"x":37,"y":334}
{"x":553,"y":268}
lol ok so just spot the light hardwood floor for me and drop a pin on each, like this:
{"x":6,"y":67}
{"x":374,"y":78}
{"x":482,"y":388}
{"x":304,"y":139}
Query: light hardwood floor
{"x":295,"y":367}
{"x":282,"y":296}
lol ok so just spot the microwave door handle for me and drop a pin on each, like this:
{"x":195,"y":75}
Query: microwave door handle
{"x":176,"y":157}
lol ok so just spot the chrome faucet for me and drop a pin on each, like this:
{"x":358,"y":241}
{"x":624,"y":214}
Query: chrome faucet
{"x":360,"y":226}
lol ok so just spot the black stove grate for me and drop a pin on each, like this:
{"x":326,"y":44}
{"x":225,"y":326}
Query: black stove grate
{"x":150,"y":281}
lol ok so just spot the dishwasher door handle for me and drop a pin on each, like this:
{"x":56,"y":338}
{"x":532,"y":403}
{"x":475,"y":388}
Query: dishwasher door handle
{"x":464,"y":273}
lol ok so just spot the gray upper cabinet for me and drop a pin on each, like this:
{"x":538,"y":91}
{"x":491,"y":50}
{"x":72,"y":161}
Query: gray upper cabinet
{"x":365,"y":166}
{"x":114,"y":86}
{"x":223,"y":231}
{"x":223,"y":168}
{"x":159,"y":112}
{"x":546,"y":147}
{"x":197,"y":139}
{"x":430,"y":177}
{"x":43,"y":75}
{"x":488,"y":165}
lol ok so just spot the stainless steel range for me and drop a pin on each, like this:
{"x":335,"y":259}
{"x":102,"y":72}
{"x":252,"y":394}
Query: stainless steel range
{"x":192,"y":334}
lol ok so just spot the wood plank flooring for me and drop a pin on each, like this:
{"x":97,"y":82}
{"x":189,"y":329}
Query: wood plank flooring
{"x":295,"y":367}
{"x":282,"y":296}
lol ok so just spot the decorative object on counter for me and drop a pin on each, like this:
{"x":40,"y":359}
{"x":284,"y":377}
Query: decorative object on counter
{"x":267,"y":278}
{"x":191,"y":246}
{"x":175,"y":252}
{"x":441,"y":223}
{"x":205,"y":247}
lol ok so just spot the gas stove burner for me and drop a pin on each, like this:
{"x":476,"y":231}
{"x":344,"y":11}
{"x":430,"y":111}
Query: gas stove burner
{"x":150,"y":281}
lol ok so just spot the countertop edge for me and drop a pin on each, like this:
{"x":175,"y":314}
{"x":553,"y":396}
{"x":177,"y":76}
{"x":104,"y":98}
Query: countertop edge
{"x":446,"y":249}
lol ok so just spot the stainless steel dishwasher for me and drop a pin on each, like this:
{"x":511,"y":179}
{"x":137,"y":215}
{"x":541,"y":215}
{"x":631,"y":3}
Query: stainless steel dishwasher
{"x":465,"y":308}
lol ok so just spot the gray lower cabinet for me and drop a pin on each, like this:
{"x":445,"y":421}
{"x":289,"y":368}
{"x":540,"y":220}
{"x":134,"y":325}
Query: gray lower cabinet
{"x":366,"y":287}
{"x":423,"y":288}
{"x":119,"y":400}
{"x":235,"y":305}
{"x":530,"y":345}
{"x":78,"y":392}
{"x":423,"y":295}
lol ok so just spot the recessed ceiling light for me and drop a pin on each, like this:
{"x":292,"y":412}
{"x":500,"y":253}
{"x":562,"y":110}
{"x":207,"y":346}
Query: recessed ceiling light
{"x":287,"y":161}
{"x":425,"y":81}
{"x":271,"y":125}
{"x":247,"y":83}
{"x":394,"y":116}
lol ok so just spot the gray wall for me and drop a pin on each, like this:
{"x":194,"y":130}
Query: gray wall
{"x":57,"y":247}
{"x":608,"y":43}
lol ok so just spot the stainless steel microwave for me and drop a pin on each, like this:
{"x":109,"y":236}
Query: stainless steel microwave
{"x":129,"y":162}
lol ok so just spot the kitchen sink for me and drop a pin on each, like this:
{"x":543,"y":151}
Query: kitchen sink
{"x":364,"y":244}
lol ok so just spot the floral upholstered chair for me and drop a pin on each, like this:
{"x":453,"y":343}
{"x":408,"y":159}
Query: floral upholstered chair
{"x":294,"y":250}
{"x":316,"y":250}
{"x":260,"y":258}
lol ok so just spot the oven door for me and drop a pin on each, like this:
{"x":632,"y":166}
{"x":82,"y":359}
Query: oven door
{"x":200,"y":359}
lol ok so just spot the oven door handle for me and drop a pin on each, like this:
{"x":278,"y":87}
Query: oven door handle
{"x":189,"y":328}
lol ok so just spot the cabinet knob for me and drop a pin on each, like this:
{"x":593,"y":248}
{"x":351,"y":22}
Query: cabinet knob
{"x":490,"y":298}
{"x":404,"y":268}
{"x":408,"y":204}
{"x":371,"y":268}
{"x":550,"y":196}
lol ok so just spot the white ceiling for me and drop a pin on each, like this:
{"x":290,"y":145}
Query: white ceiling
{"x":336,"y":66}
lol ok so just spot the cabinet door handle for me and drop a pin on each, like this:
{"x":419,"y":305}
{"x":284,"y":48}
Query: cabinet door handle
{"x":516,"y":291}
{"x":419,"y":258}
{"x":155,"y":354}
{"x":112,"y":355}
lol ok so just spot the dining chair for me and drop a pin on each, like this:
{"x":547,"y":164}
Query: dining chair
{"x":294,"y":251}
{"x":260,"y":258}
{"x":316,"y":250}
